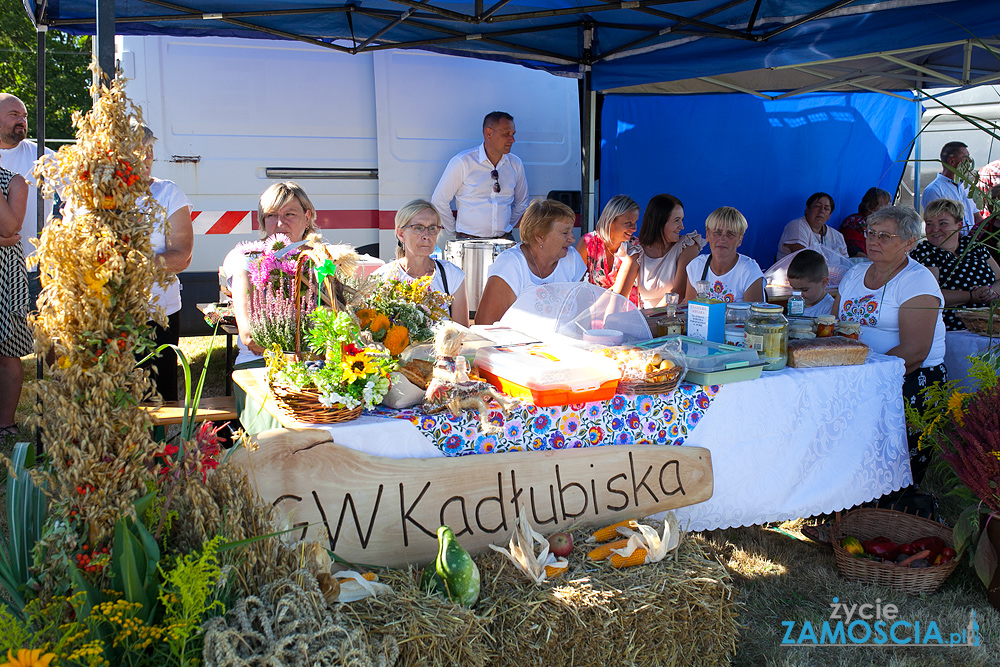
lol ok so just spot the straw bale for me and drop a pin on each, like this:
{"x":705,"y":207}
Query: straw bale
{"x":681,"y":611}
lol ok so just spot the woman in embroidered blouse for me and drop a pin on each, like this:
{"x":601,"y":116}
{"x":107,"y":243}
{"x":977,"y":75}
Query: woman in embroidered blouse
{"x":897,"y":302}
{"x":966,"y":272}
{"x":659,"y":265}
{"x":604,"y":249}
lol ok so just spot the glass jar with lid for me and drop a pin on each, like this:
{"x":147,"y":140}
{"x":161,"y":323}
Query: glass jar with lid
{"x":736,"y":319}
{"x":767,"y":332}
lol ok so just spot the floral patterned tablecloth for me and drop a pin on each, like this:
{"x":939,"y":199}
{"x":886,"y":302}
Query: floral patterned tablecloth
{"x":624,"y":419}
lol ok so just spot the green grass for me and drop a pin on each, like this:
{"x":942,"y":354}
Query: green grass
{"x":776,"y":577}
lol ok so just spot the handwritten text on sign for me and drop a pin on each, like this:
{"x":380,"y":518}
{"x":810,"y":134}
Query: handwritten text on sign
{"x":386,"y":511}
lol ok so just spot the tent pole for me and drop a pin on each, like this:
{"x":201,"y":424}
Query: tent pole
{"x":916,"y":152}
{"x":35,"y":276}
{"x":104,"y":44}
{"x":588,"y":113}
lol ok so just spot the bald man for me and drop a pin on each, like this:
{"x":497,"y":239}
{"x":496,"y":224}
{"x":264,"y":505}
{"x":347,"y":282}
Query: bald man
{"x":18,"y":154}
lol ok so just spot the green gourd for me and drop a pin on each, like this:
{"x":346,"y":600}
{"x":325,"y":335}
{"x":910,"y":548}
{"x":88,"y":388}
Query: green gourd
{"x":453,"y":573}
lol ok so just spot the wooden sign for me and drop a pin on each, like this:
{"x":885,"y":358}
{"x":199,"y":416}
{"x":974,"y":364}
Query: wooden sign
{"x":382,"y":511}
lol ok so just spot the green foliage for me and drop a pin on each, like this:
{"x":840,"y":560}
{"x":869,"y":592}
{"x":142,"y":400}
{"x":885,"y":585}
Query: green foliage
{"x":135,"y":565}
{"x":67,"y":77}
{"x":329,"y":329}
{"x":26,"y":513}
{"x":187,"y":596}
{"x":14,"y":632}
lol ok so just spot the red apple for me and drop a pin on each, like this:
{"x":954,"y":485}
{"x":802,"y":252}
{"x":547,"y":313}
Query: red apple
{"x":561,"y":544}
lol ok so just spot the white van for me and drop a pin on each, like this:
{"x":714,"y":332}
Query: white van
{"x":362,"y":134}
{"x":941,"y":125}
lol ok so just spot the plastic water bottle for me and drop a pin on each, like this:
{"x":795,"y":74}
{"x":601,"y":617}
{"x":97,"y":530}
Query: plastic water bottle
{"x":796,"y":304}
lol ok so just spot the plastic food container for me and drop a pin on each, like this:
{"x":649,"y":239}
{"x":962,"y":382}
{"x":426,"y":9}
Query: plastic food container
{"x":713,"y":363}
{"x":548,"y":375}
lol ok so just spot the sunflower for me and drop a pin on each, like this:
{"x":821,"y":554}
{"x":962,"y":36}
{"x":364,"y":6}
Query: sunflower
{"x":955,"y":407}
{"x":357,"y":366}
{"x":28,"y":658}
{"x":365,"y":316}
{"x":379,"y":326}
{"x":396,"y":339}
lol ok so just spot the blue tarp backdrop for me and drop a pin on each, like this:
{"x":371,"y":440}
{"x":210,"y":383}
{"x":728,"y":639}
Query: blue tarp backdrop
{"x":763,"y":157}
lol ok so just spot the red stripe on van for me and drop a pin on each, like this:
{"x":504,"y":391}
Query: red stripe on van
{"x":227,"y":222}
{"x":368,"y":219}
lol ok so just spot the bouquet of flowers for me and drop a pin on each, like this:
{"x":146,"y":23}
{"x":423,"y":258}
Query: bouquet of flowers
{"x":964,"y":428}
{"x":350,"y":375}
{"x":398,"y":312}
{"x":272,"y":304}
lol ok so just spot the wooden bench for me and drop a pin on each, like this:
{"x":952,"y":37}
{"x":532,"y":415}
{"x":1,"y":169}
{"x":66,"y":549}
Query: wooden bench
{"x":215,"y":409}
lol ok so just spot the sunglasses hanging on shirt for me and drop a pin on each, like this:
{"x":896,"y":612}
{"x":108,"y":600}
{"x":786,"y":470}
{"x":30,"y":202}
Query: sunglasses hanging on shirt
{"x":495,"y":175}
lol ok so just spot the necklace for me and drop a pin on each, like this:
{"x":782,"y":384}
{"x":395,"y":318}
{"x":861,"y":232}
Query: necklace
{"x":532,"y":264}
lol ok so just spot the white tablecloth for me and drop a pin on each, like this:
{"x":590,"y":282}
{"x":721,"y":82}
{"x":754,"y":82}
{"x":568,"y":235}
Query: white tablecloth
{"x":801,"y":442}
{"x":959,"y":345}
{"x":795,"y":443}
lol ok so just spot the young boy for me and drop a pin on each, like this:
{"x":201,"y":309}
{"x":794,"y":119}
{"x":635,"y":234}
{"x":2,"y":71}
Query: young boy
{"x":809,"y":274}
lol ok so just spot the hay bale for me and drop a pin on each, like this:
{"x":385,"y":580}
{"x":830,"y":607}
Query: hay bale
{"x":681,"y":611}
{"x":430,"y":631}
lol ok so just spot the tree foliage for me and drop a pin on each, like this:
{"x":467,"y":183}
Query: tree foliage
{"x":67,"y":77}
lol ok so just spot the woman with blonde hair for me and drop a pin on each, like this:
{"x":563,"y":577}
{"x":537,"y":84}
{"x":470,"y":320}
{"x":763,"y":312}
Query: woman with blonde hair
{"x":607,"y":247}
{"x":540,"y":258}
{"x":284,"y":208}
{"x":966,"y":273}
{"x":730,"y":275}
{"x":417,"y":227}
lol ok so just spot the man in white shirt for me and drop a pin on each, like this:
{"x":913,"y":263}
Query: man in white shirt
{"x":18,"y":155}
{"x":487,"y":184}
{"x":947,"y":185}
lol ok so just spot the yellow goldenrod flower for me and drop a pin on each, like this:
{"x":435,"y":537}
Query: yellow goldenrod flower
{"x":28,"y":658}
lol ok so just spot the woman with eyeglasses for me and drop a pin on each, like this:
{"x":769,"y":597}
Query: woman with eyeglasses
{"x":965,"y":271}
{"x":417,"y":229}
{"x":731,"y":276}
{"x":284,"y":208}
{"x":658,"y":265}
{"x":898,"y":303}
{"x":606,"y":249}
{"x":811,"y":230}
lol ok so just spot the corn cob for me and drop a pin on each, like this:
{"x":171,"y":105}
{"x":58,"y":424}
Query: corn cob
{"x":638,"y":557}
{"x":370,"y":576}
{"x":611,"y":532}
{"x":604,"y":550}
{"x":552,"y":572}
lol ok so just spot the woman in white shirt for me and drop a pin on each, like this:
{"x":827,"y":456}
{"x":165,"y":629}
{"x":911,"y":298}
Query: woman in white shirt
{"x":811,"y":229}
{"x":541,"y":257}
{"x":659,"y":263}
{"x":284,"y":208}
{"x":173,"y":250}
{"x":898,"y":303}
{"x":417,"y":227}
{"x":731,"y":276}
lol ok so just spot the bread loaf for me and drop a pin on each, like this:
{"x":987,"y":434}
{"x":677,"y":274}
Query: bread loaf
{"x":832,"y":351}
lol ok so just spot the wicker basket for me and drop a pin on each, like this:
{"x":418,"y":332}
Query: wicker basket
{"x":660,"y":382}
{"x":304,"y":405}
{"x":980,"y":321}
{"x":865,"y":523}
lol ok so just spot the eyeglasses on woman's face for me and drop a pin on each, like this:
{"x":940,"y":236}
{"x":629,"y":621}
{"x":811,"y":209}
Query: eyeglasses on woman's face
{"x":420,"y":230}
{"x":881,"y":237}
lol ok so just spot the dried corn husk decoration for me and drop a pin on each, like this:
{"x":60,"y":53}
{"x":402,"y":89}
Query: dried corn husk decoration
{"x":523,"y":542}
{"x":97,"y":270}
{"x":645,"y":545}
